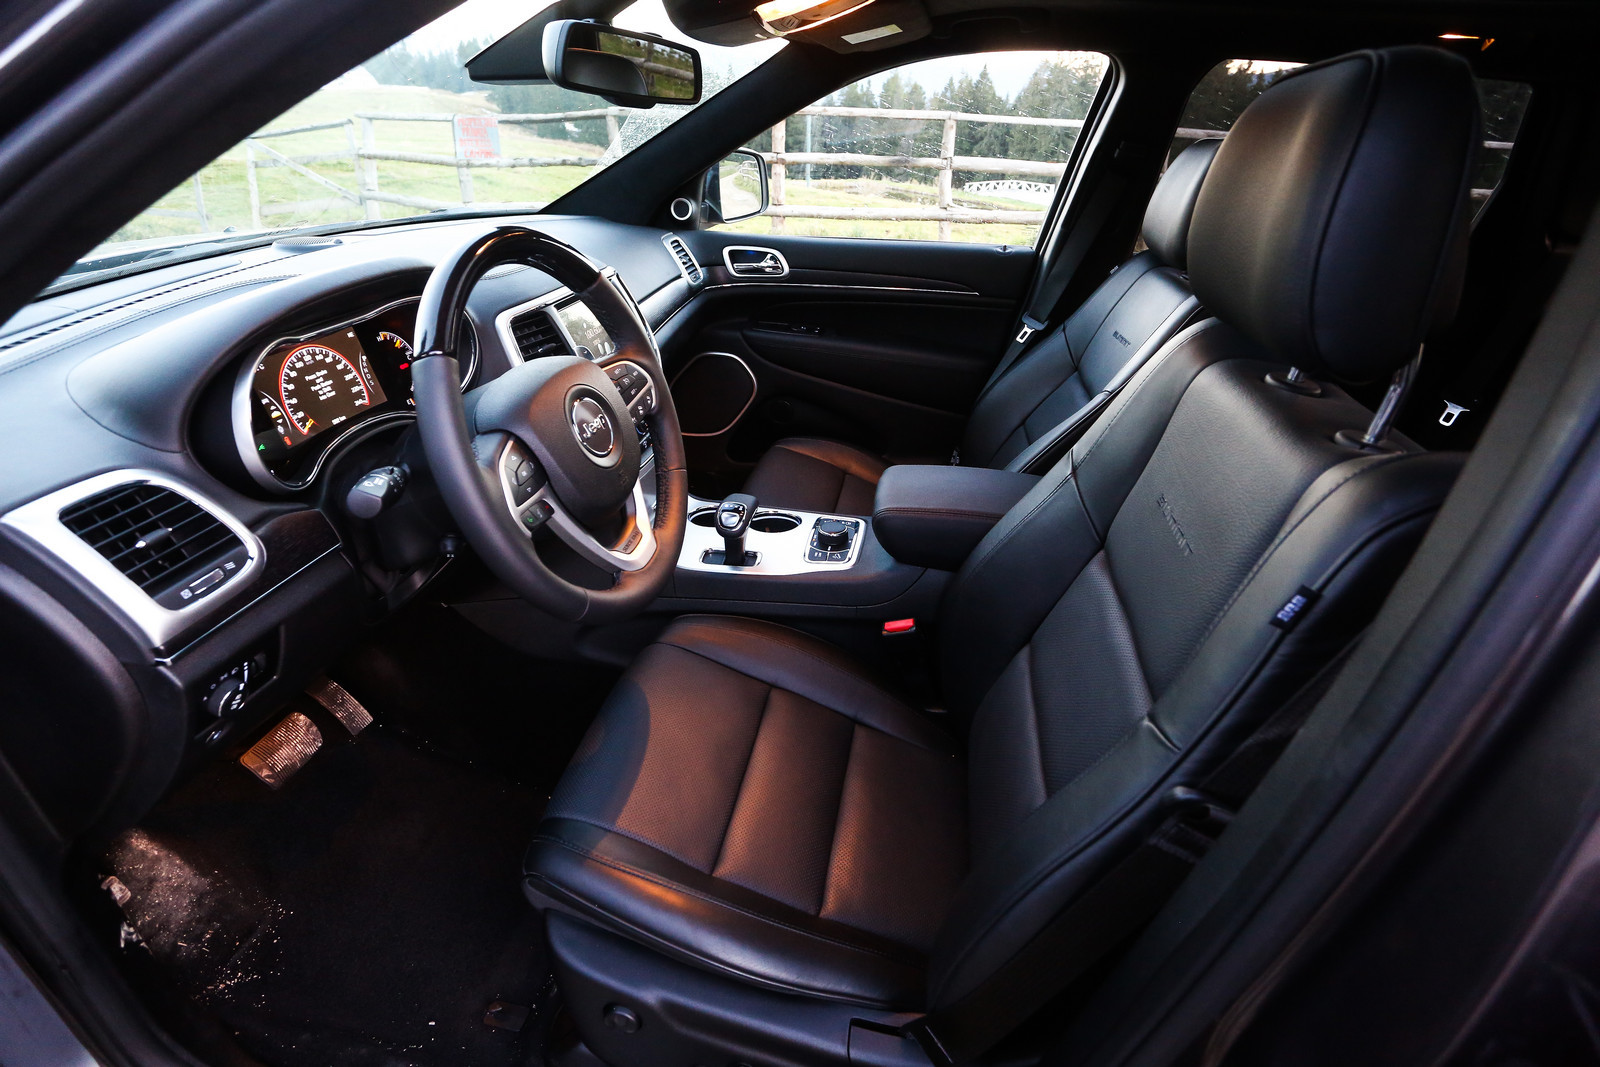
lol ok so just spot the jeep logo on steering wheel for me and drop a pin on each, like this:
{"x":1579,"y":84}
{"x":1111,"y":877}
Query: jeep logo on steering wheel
{"x":592,"y":426}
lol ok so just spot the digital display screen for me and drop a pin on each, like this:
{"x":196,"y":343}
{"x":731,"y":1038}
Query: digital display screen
{"x":304,"y":392}
{"x":589,"y":338}
{"x":316,"y":385}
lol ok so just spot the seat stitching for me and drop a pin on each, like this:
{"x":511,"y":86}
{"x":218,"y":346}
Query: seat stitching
{"x":953,"y":513}
{"x":832,"y":667}
{"x":744,"y":778}
{"x":667,"y":883}
{"x":1033,"y":706}
{"x":1011,"y":530}
{"x":838,"y":809}
{"x":1154,"y":361}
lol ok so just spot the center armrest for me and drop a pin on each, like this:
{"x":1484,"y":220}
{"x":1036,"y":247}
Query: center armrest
{"x":933,"y":516}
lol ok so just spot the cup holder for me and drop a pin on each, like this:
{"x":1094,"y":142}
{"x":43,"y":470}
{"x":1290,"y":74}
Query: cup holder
{"x":771,"y":522}
{"x":774,"y":522}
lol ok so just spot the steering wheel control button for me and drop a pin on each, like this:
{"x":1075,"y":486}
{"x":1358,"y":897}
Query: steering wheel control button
{"x":537,"y":515}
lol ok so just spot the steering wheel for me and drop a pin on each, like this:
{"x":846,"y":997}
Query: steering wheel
{"x":551,"y":443}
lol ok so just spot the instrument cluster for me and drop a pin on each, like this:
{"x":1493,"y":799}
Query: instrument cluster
{"x":303,"y":395}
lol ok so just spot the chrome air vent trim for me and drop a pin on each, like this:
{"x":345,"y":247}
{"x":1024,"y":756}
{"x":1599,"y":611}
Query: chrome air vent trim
{"x":688,"y":266}
{"x":503,"y":321}
{"x":39,"y":521}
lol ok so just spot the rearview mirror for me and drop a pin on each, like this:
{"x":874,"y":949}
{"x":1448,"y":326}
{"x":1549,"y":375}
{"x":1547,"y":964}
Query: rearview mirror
{"x":623,"y":67}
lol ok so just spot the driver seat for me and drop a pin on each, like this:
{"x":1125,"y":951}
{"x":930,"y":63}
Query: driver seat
{"x":761,"y":853}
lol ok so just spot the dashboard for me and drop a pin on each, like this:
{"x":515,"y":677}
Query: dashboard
{"x":177,"y":553}
{"x":305,"y":394}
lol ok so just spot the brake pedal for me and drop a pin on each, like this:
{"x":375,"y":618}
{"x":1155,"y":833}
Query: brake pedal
{"x":283,"y":751}
{"x":344,"y":707}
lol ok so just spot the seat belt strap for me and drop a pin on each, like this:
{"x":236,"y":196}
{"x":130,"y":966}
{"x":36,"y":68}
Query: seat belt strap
{"x":1121,"y":901}
{"x":1053,"y":283}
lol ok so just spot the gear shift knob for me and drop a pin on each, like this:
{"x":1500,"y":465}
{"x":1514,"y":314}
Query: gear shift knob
{"x":733,"y":519}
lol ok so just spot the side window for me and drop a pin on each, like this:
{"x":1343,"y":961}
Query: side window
{"x":1228,"y":88}
{"x":965,"y":148}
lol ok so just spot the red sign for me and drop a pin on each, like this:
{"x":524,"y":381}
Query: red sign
{"x":477,"y":136}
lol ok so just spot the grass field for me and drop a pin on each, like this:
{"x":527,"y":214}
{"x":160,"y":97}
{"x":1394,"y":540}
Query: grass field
{"x":225,"y":192}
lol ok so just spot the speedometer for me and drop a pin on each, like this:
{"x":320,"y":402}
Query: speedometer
{"x":321,"y":388}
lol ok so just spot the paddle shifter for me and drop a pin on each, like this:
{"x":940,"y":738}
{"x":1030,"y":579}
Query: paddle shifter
{"x":733,"y":519}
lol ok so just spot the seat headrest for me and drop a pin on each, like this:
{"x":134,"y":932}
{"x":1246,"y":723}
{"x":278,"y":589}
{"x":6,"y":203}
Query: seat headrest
{"x":1166,"y":220}
{"x":1332,"y":227}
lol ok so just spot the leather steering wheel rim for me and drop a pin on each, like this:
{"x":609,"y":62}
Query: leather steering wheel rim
{"x":464,"y":436}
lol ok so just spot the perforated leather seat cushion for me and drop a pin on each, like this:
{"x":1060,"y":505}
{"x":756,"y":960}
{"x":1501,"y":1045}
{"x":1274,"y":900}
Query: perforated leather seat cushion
{"x":755,"y":802}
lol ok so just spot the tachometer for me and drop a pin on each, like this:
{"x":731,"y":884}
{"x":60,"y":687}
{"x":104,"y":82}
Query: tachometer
{"x":401,"y":347}
{"x":321,"y":388}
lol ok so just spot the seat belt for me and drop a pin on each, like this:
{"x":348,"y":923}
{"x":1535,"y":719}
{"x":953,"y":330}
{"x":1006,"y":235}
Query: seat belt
{"x":1053,"y":283}
{"x":1123,"y":900}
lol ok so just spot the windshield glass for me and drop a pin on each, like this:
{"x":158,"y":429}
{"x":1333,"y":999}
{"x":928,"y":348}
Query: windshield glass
{"x":406,"y":134}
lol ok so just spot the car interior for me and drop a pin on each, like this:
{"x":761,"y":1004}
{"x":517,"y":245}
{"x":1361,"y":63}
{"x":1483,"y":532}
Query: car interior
{"x":635,"y":629}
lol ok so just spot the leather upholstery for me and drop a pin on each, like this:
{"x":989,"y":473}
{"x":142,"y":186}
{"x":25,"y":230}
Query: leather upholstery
{"x":750,"y":799}
{"x":1115,"y":636}
{"x":931,"y":516}
{"x":1171,"y":208}
{"x":1029,"y":413}
{"x":812,"y":474}
{"x":1332,"y":228}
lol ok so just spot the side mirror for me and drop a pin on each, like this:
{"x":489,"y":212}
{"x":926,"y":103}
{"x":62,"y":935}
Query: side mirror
{"x":626,"y":68}
{"x":736,"y":188}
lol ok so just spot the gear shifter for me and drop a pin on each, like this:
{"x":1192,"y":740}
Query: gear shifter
{"x":733,"y":519}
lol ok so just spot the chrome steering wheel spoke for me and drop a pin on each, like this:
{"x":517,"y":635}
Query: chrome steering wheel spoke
{"x":534,"y":505}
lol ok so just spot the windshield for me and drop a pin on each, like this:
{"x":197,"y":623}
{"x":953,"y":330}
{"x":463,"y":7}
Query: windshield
{"x":407,"y":134}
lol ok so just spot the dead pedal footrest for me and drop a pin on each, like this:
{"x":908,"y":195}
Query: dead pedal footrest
{"x":341,"y":705}
{"x":283,"y":751}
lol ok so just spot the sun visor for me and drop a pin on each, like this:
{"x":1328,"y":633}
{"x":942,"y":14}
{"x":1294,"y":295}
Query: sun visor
{"x":839,"y":25}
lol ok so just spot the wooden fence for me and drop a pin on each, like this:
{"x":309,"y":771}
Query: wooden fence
{"x":364,"y":155}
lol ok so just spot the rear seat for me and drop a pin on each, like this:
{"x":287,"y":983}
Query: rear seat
{"x":1031,"y":411}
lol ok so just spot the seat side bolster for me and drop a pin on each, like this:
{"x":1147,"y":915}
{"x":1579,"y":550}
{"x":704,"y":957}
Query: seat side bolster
{"x":1353,"y":532}
{"x":650,"y":897}
{"x":788,"y":659}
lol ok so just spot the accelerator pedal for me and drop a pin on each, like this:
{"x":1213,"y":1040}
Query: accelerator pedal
{"x":344,"y":707}
{"x":283,"y":751}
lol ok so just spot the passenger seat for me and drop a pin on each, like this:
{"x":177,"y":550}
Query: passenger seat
{"x":1031,"y":411}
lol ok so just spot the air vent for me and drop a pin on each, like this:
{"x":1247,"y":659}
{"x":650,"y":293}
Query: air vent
{"x":686,"y":262}
{"x":165,"y":543}
{"x":536,"y":335}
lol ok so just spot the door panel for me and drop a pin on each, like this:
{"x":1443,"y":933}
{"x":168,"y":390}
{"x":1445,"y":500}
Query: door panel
{"x":881,"y":344}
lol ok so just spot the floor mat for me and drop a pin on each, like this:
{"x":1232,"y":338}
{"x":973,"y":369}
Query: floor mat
{"x":365,"y":914}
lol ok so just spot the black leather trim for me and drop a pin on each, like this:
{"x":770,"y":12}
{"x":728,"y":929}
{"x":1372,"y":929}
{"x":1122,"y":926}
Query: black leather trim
{"x":1332,"y":227}
{"x":813,"y":474}
{"x":1171,"y":208}
{"x":750,"y":800}
{"x":931,"y":516}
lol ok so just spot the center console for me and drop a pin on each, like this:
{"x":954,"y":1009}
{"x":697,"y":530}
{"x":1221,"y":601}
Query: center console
{"x":740,"y":555}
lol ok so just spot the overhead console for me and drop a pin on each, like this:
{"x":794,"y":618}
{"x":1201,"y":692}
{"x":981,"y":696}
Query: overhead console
{"x":838,"y":25}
